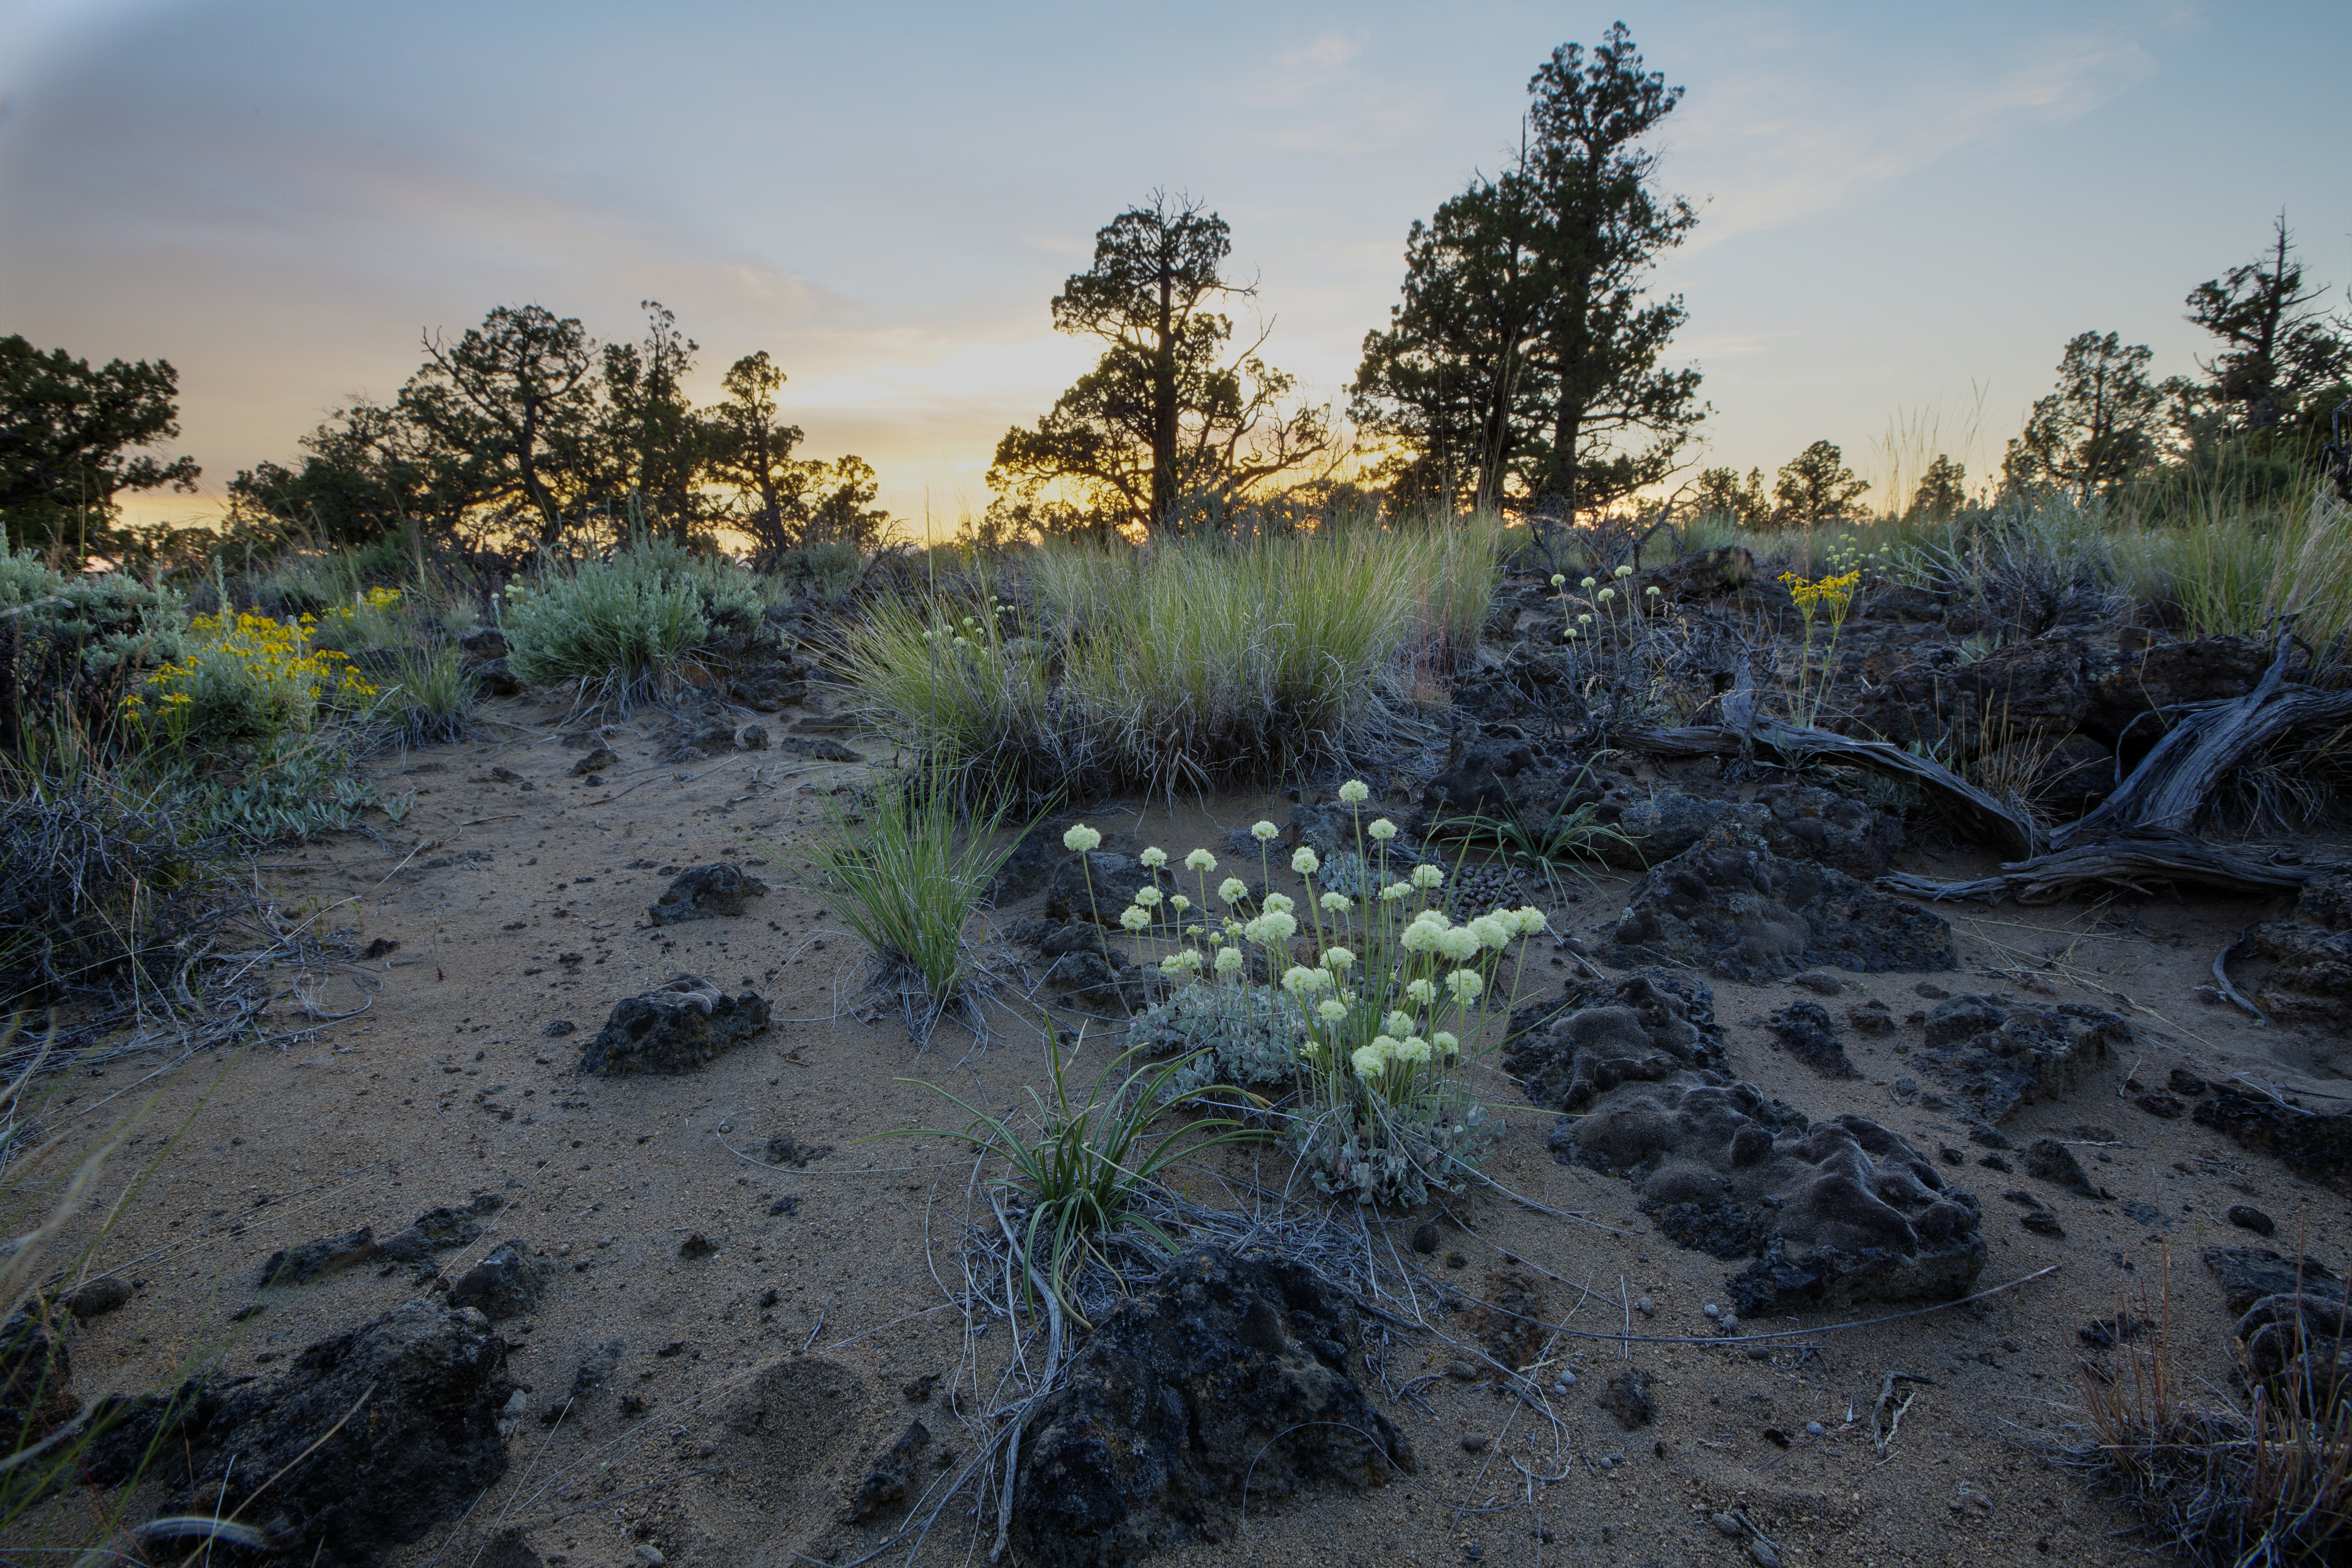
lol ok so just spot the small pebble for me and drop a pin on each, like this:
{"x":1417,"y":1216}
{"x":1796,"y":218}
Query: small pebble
{"x":1461,"y":1371}
{"x":1728,"y":1322}
{"x":1726,"y":1526}
{"x":1475,"y":1442}
{"x":1567,"y":1381}
{"x":651,"y":1556}
{"x":2246,"y":1217}
{"x":1814,"y":1428}
{"x":1712,"y":1311}
{"x":1760,"y":1552}
{"x":1646,"y":1307}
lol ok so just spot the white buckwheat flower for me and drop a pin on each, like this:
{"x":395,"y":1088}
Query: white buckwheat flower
{"x":1368,"y":1061}
{"x":1459,"y":943}
{"x":1445,"y":1043}
{"x":1330,"y":1010}
{"x":1081,"y":838}
{"x":1494,"y":931}
{"x":1397,"y":1024}
{"x":1428,"y":877}
{"x":1624,"y":572}
{"x":1531,"y":920}
{"x":1304,"y":861}
{"x":1652,"y":591}
{"x":1557,"y":581}
{"x":1298,"y":979}
{"x":1394,"y":892}
{"x":1228,"y":960}
{"x":1591,"y":582}
{"x":1200,"y":860}
{"x":1606,"y":595}
{"x":1279,"y":903}
{"x":1232,"y":889}
{"x":1147,"y":897}
{"x":1272,"y":928}
{"x":1421,"y":991}
{"x":1355,"y":792}
{"x":1339,"y":958}
{"x":1337,"y":903}
{"x":1263,"y":832}
{"x":1381,"y":828}
{"x":1134,"y":919}
{"x":1179,"y":902}
{"x":1412,"y":1048}
{"x":1154,"y":857}
{"x":1465,"y":984}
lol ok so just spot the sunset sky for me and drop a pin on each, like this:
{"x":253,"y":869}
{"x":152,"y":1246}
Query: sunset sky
{"x":1905,"y":210}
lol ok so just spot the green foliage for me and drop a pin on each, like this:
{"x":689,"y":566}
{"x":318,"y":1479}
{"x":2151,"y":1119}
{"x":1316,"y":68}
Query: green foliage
{"x":2278,"y":355}
{"x":624,"y":627}
{"x":315,"y":582}
{"x":1078,"y":1171}
{"x":2097,"y":429}
{"x":1816,"y":487}
{"x":1165,"y":431}
{"x":1522,"y":364}
{"x":1241,"y":1036}
{"x":430,"y":698}
{"x":1194,"y":663}
{"x":72,"y":433}
{"x":1721,"y":494}
{"x":908,"y":869}
{"x":1943,"y":491}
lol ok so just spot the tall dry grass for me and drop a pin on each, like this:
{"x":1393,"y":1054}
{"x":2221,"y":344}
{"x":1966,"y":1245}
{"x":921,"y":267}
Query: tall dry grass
{"x":1187,"y":664}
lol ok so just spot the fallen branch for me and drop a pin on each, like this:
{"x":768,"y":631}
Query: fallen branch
{"x":2222,"y":979}
{"x":2168,"y":789}
{"x":2132,"y":863}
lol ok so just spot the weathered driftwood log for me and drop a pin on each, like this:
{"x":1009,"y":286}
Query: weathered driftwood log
{"x":2173,"y":782}
{"x":2126,"y":862}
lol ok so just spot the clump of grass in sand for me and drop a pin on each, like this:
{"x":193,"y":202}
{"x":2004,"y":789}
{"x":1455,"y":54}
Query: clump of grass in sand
{"x":2265,"y":1481}
{"x":1191,"y":663}
{"x":910,"y":869}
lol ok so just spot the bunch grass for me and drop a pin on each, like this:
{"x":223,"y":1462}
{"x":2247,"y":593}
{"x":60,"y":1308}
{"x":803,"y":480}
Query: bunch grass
{"x":625,"y":628}
{"x":909,"y":869}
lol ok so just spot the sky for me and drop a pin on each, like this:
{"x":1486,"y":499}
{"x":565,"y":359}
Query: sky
{"x":1905,"y":210}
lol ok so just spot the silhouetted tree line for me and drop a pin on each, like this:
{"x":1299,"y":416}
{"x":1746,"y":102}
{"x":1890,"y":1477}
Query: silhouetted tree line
{"x":1523,"y":368}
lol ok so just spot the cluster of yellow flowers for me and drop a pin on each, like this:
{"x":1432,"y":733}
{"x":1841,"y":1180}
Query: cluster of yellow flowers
{"x":1833,"y":593}
{"x":273,"y":657}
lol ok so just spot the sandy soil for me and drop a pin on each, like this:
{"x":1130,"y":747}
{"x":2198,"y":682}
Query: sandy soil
{"x":768,"y":1374}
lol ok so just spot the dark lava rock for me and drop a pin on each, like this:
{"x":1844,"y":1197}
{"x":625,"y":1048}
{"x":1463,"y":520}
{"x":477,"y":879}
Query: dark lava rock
{"x":697,"y":1245}
{"x":2184,"y":1082}
{"x":1225,"y":1373}
{"x":300,"y":1265}
{"x":1832,"y":1214}
{"x":2311,"y":975}
{"x":1116,"y":879}
{"x":893,"y":1475}
{"x":694,"y":742}
{"x":493,"y":678}
{"x":1820,"y":981}
{"x":673,"y":1028}
{"x":1998,"y":1054}
{"x":706,"y":892}
{"x":783,"y":1149}
{"x":96,"y":1297}
{"x":559,"y":1028}
{"x":2301,"y":1344}
{"x":1643,"y":1028}
{"x":2250,"y":1273}
{"x":438,"y":1229}
{"x":1805,"y":1032}
{"x":506,"y":1284}
{"x":2326,"y":901}
{"x":2106,"y":1333}
{"x":483,"y":642}
{"x":365,"y":1441}
{"x":1871,"y":1018}
{"x":595,"y":762}
{"x":2249,"y":1218}
{"x":2048,"y":1160}
{"x":2319,"y":1147}
{"x":2041,"y":1222}
{"x":1510,"y":1321}
{"x":818,"y":748}
{"x":1425,"y":1238}
{"x":1799,"y":822}
{"x":1627,"y":1397}
{"x":2162,"y":1105}
{"x":1730,"y":903}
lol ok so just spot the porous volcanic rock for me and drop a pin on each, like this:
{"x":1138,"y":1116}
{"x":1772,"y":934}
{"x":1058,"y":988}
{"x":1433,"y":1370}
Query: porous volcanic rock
{"x":2326,"y":901}
{"x":2311,"y":972}
{"x":2319,"y":1147}
{"x":423,"y":1388}
{"x":1640,"y":1029}
{"x":506,"y":1284}
{"x":2247,"y":1274}
{"x":1998,"y":1053}
{"x":1835,"y":1213}
{"x":1799,"y":822}
{"x":1115,"y":880}
{"x":1806,"y":1032}
{"x":675,"y":1027}
{"x":706,"y":892}
{"x":2301,"y":1344}
{"x":1729,"y":903}
{"x":1226,"y":1373}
